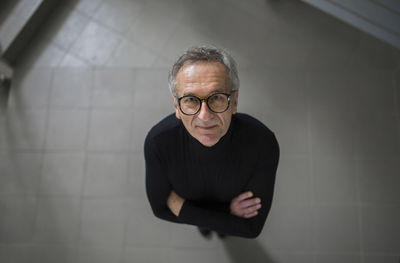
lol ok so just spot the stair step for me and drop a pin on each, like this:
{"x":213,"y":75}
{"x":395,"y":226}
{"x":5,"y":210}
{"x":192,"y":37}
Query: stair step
{"x":16,"y":20}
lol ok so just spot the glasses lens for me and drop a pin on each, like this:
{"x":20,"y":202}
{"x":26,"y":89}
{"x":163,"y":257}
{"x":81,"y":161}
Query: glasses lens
{"x":218,"y":102}
{"x":189,"y":104}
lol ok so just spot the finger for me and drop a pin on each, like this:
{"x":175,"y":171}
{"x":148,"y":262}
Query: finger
{"x":251,"y":209}
{"x":246,"y":211}
{"x":244,"y":196}
{"x":249,"y":202}
{"x":251,"y":215}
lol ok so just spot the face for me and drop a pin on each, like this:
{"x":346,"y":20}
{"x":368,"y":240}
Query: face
{"x":202,"y":79}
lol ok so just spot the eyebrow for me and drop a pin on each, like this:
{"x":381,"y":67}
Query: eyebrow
{"x":213,"y":92}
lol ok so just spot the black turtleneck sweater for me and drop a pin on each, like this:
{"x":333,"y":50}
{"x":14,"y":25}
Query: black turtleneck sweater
{"x":208,"y":178}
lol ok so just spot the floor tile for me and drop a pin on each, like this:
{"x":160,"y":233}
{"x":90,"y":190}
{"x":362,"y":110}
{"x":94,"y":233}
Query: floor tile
{"x":189,"y":237}
{"x":333,"y":133}
{"x":330,"y":90}
{"x":144,"y":229}
{"x":151,"y":89}
{"x":328,"y":258}
{"x":291,"y":128}
{"x":119,"y":15}
{"x":136,"y":176}
{"x":88,"y":7}
{"x":101,"y":254}
{"x":333,"y":47}
{"x":379,"y":181}
{"x":10,"y":253}
{"x":31,"y":89}
{"x":153,"y":27}
{"x":72,"y":61}
{"x":381,"y":259}
{"x":113,"y":88}
{"x":17,"y":219}
{"x":57,"y":220}
{"x":180,"y":255}
{"x":96,"y":35}
{"x":109,"y":130}
{"x":380,"y":228}
{"x":243,"y":250}
{"x":269,"y":88}
{"x":106,"y":175}
{"x":71,"y":88}
{"x":25,"y":129}
{"x":146,"y":254}
{"x":334,"y":180}
{"x":293,"y":181}
{"x":336,"y":229}
{"x":103,"y":222}
{"x":62,"y":174}
{"x":378,"y":134}
{"x":288,"y":228}
{"x":375,"y":54}
{"x":67,"y":130}
{"x":129,"y":54}
{"x":59,"y":253}
{"x":142,"y":123}
{"x":20,"y":173}
{"x":183,"y":38}
{"x":374,"y":90}
{"x":42,"y":54}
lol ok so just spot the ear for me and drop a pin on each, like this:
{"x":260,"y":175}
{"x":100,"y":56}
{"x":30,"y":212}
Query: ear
{"x":176,"y":107}
{"x":235,"y":102}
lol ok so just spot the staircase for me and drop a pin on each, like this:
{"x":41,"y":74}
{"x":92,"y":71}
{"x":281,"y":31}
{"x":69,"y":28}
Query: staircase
{"x":379,"y":18}
{"x":18,"y":21}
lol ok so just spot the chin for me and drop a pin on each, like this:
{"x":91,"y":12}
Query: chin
{"x":207,"y":140}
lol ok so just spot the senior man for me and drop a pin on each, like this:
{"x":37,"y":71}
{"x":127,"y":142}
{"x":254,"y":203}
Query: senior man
{"x":207,"y":165}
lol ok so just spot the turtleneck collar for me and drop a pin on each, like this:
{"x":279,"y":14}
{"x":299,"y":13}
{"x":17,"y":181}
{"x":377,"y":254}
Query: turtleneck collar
{"x":220,"y":144}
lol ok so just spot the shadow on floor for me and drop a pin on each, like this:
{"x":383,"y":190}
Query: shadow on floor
{"x":242,"y":250}
{"x":4,"y":92}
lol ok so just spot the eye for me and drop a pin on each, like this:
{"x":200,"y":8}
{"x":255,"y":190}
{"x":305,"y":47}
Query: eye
{"x":189,"y":100}
{"x":218,"y":97}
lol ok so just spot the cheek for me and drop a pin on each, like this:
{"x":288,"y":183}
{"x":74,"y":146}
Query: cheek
{"x":188,"y":121}
{"x":226,"y":120}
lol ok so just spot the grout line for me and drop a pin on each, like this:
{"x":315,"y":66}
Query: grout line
{"x":311,"y":170}
{"x":127,"y":197}
{"x":43,"y":152}
{"x":359,"y":209}
{"x":85,"y":161}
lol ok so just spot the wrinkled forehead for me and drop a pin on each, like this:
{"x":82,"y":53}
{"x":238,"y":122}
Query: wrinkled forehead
{"x":203,"y":77}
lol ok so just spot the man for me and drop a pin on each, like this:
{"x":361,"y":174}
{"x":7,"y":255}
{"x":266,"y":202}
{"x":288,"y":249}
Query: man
{"x":208,"y":165}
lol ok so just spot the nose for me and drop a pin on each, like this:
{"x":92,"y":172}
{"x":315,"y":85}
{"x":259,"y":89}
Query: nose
{"x":205,"y":113}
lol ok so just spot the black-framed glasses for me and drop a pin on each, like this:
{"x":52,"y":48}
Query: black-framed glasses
{"x":216,"y":102}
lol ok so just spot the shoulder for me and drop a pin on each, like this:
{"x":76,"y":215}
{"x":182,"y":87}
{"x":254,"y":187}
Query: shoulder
{"x":252,"y":132}
{"x":164,"y":130}
{"x":249,"y":124}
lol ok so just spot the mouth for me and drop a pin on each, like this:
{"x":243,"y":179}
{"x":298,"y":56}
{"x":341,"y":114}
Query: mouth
{"x":210,"y":127}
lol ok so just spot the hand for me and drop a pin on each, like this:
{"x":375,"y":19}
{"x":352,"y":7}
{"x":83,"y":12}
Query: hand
{"x":243,"y":206}
{"x":175,"y":203}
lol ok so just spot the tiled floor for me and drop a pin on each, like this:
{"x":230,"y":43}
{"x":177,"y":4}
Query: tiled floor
{"x":94,"y":80}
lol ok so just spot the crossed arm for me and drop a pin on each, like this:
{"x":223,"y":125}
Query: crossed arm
{"x":244,"y":205}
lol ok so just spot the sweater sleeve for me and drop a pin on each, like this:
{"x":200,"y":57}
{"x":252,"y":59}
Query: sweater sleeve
{"x":261,"y":184}
{"x":158,"y":187}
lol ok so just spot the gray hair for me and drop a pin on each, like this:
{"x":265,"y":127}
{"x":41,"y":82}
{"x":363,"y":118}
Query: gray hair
{"x":208,"y":54}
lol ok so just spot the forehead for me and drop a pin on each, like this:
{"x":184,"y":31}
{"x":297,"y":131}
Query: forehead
{"x":202,"y":78}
